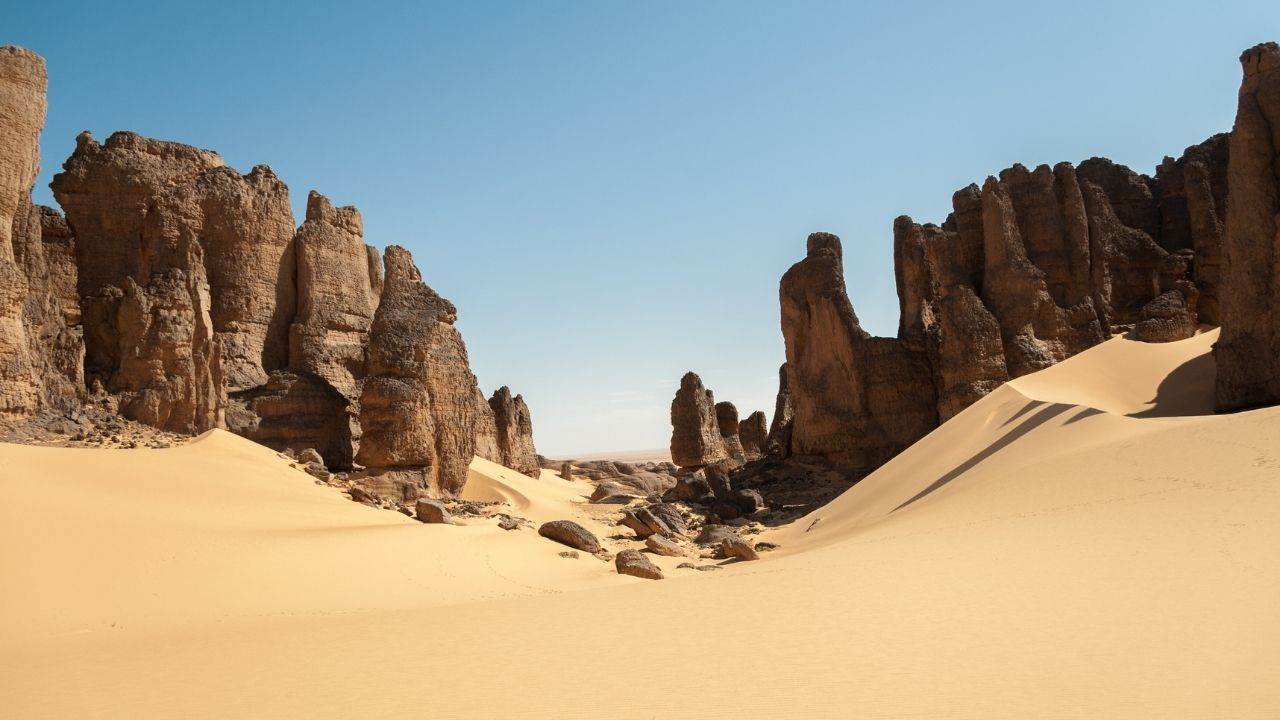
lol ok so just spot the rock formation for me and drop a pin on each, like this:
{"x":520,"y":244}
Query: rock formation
{"x":1248,"y":350}
{"x":338,"y":282}
{"x":754,"y":435}
{"x":514,"y":432}
{"x":1028,"y":270}
{"x":417,"y":407}
{"x":727,"y":420}
{"x":181,"y":289}
{"x":856,"y":400}
{"x":31,"y":373}
{"x":695,"y":434}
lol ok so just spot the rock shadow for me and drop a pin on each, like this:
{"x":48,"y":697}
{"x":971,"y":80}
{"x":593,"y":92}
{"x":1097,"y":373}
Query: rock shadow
{"x":1040,"y":417}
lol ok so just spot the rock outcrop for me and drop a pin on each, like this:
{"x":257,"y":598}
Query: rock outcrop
{"x":1248,"y":350}
{"x":857,"y":400}
{"x":417,"y":408}
{"x":727,"y":420}
{"x":754,"y":435}
{"x":695,"y":434}
{"x":36,"y":343}
{"x":179,"y":291}
{"x":337,"y":295}
{"x":514,"y":432}
{"x":1028,"y":270}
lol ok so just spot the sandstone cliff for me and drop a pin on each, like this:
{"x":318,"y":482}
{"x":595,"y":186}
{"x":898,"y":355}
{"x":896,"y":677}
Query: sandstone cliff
{"x":181,"y":291}
{"x":1248,"y":350}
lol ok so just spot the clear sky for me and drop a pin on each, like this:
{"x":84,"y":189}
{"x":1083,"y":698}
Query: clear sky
{"x":610,"y":191}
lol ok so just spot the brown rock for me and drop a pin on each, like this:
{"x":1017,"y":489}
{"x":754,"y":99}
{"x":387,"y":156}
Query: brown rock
{"x":486,"y":430}
{"x":418,"y":406}
{"x":336,"y":276}
{"x":566,"y":471}
{"x":663,"y":545}
{"x":1248,"y":364}
{"x":695,"y":435}
{"x":857,"y":400}
{"x":567,"y":532}
{"x":1165,"y":319}
{"x":633,"y":562}
{"x":514,"y":432}
{"x":22,"y":97}
{"x":294,"y":411}
{"x":779,"y":444}
{"x":431,"y":511}
{"x":736,"y":547}
{"x":727,"y":420}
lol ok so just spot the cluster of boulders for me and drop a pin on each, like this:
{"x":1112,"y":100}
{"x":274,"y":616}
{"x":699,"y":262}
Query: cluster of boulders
{"x":617,"y":482}
{"x":183,"y":290}
{"x":704,"y":432}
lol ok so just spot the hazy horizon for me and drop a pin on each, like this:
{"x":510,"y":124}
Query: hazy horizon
{"x":609,"y":193}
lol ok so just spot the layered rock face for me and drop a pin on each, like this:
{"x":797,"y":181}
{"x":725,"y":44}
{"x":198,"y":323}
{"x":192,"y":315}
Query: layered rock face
{"x":182,"y":289}
{"x":704,"y":432}
{"x":695,"y":431}
{"x":856,"y":400}
{"x":22,"y":96}
{"x":1248,"y":350}
{"x":514,"y":432}
{"x":1028,"y":270}
{"x":754,"y":435}
{"x":417,"y":406}
{"x":339,"y":281}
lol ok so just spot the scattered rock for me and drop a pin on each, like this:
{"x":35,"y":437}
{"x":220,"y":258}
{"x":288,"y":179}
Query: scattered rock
{"x":572,"y":554}
{"x":633,"y":562}
{"x":736,"y":547}
{"x":664,"y":546}
{"x":567,"y":532}
{"x":431,"y":511}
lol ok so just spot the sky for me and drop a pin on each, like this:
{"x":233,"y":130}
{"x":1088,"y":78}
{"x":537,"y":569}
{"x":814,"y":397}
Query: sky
{"x":610,"y":191}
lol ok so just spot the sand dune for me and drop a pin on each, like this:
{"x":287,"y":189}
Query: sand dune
{"x":1084,"y":542}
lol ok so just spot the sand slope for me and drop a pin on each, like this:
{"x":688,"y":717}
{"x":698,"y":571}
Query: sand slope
{"x":1074,"y":545}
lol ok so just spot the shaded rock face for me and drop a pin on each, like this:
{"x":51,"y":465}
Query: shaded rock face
{"x":754,"y":434}
{"x":727,"y":420}
{"x":336,"y":300}
{"x":779,"y":443}
{"x":417,"y":407}
{"x":695,"y":433}
{"x":182,"y":288}
{"x":856,"y":400}
{"x":1028,"y":270}
{"x":514,"y":432}
{"x":1248,"y":349}
{"x":295,"y":410}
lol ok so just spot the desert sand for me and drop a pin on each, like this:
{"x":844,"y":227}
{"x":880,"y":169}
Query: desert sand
{"x":1083,"y":542}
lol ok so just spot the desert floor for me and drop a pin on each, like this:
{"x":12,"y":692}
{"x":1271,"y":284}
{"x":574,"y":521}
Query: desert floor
{"x":1084,"y":542}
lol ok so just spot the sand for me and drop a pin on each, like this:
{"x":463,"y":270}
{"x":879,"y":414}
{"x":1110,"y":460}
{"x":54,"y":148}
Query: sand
{"x":1082,"y":543}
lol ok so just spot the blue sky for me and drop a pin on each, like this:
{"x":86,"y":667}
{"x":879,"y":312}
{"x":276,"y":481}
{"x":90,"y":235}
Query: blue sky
{"x":610,"y":191}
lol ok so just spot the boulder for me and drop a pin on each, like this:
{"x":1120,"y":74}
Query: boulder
{"x":633,"y":562}
{"x":431,"y":511}
{"x":663,"y":545}
{"x":567,"y":532}
{"x":737,"y":547}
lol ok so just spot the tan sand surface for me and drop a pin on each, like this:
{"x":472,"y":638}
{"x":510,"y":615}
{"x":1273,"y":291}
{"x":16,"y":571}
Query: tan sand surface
{"x":1073,"y":546}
